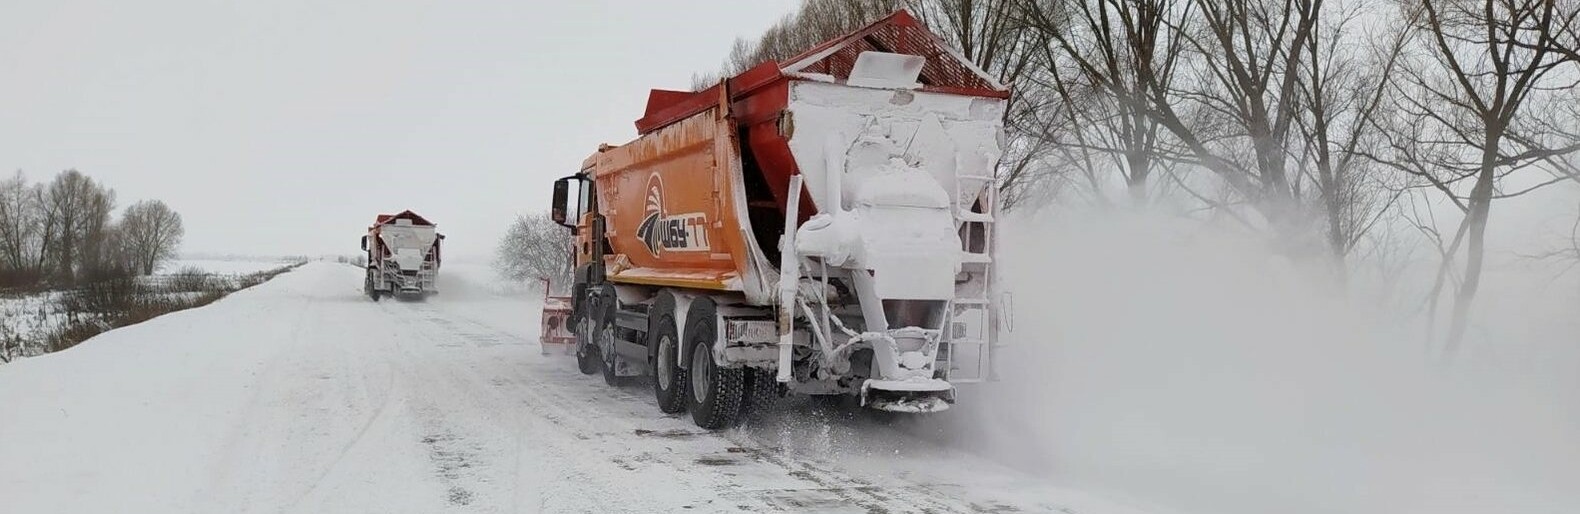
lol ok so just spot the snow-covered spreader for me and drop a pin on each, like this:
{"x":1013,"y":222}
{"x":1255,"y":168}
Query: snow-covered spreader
{"x":402,"y":256}
{"x":820,"y":226}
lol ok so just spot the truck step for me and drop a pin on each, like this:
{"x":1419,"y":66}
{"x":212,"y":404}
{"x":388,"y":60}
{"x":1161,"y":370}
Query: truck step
{"x":973,"y":217}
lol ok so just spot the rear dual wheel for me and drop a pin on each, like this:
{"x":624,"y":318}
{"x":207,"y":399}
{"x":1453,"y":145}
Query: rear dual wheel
{"x":716,"y":392}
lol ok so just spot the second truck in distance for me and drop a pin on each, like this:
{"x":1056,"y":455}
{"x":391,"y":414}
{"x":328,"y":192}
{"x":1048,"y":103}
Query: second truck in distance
{"x":402,"y":256}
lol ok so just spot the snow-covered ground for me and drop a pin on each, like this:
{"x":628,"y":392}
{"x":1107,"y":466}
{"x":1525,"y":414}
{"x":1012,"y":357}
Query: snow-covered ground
{"x":301,"y":395}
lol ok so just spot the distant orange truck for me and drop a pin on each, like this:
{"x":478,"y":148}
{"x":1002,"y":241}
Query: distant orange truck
{"x":822,"y":225}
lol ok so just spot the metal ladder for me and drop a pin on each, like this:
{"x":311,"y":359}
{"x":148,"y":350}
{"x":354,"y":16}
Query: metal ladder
{"x":426,"y":271}
{"x":970,"y":323}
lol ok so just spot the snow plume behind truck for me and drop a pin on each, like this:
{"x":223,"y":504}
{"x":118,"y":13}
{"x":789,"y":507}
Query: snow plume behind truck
{"x":820,"y":226}
{"x":402,"y":256}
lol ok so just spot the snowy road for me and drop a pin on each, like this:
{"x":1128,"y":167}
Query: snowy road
{"x":301,"y":395}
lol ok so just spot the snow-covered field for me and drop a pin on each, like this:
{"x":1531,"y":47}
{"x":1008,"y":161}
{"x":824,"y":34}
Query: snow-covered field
{"x":223,"y":266}
{"x":24,"y":315}
{"x":27,"y":316}
{"x":301,"y":395}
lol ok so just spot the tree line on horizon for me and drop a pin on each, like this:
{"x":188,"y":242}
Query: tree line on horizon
{"x":64,"y":233}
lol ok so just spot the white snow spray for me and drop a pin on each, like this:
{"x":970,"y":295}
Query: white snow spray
{"x":1188,"y":369}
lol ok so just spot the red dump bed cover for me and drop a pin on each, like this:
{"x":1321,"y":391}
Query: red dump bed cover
{"x":385,"y":219}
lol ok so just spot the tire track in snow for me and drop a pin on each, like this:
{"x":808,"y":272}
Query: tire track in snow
{"x":802,"y":483}
{"x":459,"y":454}
{"x":594,"y":418}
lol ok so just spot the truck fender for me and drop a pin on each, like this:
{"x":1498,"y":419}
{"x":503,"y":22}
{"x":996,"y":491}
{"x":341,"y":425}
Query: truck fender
{"x":602,"y":303}
{"x":695,"y":308}
{"x":664,"y":302}
{"x":579,"y":292}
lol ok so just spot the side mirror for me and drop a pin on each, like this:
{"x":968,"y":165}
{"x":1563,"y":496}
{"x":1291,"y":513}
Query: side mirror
{"x":364,"y":243}
{"x":558,"y":209}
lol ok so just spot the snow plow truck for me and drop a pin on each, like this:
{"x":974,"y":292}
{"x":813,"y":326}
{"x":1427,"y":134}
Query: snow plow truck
{"x":818,"y":226}
{"x":402,"y":256}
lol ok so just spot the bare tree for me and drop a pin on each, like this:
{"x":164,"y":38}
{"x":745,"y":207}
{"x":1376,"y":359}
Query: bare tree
{"x":1241,"y":84}
{"x":535,"y":247}
{"x":1342,"y":87}
{"x":76,"y":205}
{"x":19,"y":224}
{"x":1106,"y":44}
{"x":98,"y":238}
{"x":150,"y":232}
{"x":1483,"y":103}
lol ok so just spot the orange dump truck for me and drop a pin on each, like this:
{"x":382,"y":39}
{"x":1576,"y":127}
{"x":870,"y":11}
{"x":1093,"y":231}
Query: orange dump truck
{"x":821,"y":226}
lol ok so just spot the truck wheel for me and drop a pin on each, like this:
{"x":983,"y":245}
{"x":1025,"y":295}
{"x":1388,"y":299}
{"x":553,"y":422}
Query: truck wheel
{"x":587,"y":360}
{"x":715,"y":399}
{"x":759,"y":391}
{"x":669,"y":380}
{"x":606,"y":342}
{"x":367,"y":286}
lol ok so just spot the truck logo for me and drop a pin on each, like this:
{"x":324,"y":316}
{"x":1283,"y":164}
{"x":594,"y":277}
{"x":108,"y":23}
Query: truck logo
{"x":660,"y":231}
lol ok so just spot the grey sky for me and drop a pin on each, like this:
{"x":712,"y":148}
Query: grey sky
{"x":283,"y":126}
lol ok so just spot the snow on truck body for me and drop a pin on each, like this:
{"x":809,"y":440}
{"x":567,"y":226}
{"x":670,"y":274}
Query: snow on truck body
{"x":402,"y":255}
{"x":822,"y":225}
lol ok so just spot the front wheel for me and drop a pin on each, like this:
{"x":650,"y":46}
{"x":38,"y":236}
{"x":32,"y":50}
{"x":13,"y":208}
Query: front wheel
{"x":587,"y":358}
{"x":588,"y":362}
{"x":367,"y":286}
{"x":715,"y":399}
{"x":606,"y":346}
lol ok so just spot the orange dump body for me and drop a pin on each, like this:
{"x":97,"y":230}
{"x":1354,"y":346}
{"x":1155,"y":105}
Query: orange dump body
{"x":698,"y":199}
{"x":671,"y":215}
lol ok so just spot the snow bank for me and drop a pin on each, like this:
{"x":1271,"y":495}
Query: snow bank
{"x":143,"y":404}
{"x":1199,"y":370}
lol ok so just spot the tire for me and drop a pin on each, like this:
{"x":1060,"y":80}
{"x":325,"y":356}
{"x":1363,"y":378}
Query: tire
{"x":759,"y":391}
{"x":367,"y":287}
{"x":715,"y":399}
{"x":588,"y":362}
{"x":669,"y":380}
{"x":609,"y":376}
{"x":587,"y":359}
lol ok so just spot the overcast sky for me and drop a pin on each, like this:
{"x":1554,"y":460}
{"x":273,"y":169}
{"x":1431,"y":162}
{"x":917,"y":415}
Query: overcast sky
{"x":283,"y":126}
